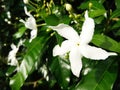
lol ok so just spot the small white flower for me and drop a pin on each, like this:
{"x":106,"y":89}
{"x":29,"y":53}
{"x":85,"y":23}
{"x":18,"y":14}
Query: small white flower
{"x":30,"y":23}
{"x":12,"y":60}
{"x":12,"y":56}
{"x":78,"y":45}
{"x":44,"y":71}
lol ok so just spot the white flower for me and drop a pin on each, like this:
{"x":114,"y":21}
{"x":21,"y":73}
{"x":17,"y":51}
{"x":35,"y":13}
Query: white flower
{"x":12,"y":56}
{"x":44,"y":71}
{"x":77,"y":45}
{"x":12,"y":60}
{"x":30,"y":23}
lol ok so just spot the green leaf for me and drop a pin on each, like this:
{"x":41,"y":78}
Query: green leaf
{"x":95,"y":8}
{"x":10,"y":70}
{"x":116,"y":25}
{"x":115,"y":14}
{"x":61,"y":69}
{"x":99,"y":19}
{"x":106,"y":43}
{"x":59,"y":38}
{"x":20,"y":32}
{"x":65,"y":19}
{"x":117,"y":34}
{"x":35,"y":50}
{"x":99,"y":75}
{"x":52,"y":20}
{"x":93,"y":4}
{"x":17,"y":81}
{"x":97,"y":12}
{"x":117,"y":3}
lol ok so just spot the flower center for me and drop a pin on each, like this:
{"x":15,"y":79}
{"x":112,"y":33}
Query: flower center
{"x":78,"y":44}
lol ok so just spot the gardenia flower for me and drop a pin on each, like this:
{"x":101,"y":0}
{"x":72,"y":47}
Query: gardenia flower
{"x":30,"y":23}
{"x":78,"y":46}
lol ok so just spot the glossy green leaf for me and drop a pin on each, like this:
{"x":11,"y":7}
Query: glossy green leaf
{"x":59,"y":39}
{"x":117,"y":34}
{"x":96,"y":9}
{"x":35,"y":50}
{"x":10,"y":70}
{"x":65,"y":19}
{"x":106,"y":43}
{"x":20,"y":32}
{"x":61,"y":69}
{"x":101,"y":1}
{"x":97,"y":12}
{"x":116,"y":25}
{"x":117,"y":3}
{"x":92,"y":4}
{"x":115,"y":14}
{"x":99,"y":19}
{"x":98,"y":76}
{"x":17,"y":81}
{"x":52,"y":20}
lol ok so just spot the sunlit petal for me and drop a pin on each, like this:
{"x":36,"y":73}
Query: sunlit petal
{"x":87,"y":29}
{"x":13,"y":46}
{"x":66,"y":31}
{"x":30,"y":23}
{"x":25,"y":1}
{"x":63,"y":49}
{"x":95,"y":53}
{"x":13,"y":61}
{"x":12,"y":55}
{"x":75,"y":61}
{"x":33,"y":34}
{"x":26,"y":12}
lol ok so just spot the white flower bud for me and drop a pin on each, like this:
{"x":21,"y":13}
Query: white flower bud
{"x":68,"y":7}
{"x":25,"y":1}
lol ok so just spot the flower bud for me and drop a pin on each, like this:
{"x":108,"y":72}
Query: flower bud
{"x":25,"y":1}
{"x":68,"y":7}
{"x":90,"y":5}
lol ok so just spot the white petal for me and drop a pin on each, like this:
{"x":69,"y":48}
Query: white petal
{"x":21,"y":20}
{"x":13,"y":46}
{"x":30,"y":23}
{"x":63,"y":49}
{"x":25,"y":1}
{"x":26,"y":12}
{"x":66,"y":31}
{"x":13,"y":62}
{"x":33,"y":34}
{"x":12,"y":55}
{"x":14,"y":49}
{"x":75,"y":61}
{"x":87,"y":30}
{"x":94,"y":52}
